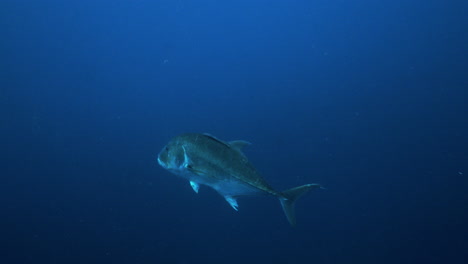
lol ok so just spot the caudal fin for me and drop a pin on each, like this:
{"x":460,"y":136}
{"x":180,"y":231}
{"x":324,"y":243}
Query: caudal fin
{"x":289,"y":197}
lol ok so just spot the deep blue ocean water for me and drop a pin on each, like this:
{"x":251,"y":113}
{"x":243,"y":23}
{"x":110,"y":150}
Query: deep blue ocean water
{"x":367,"y":98}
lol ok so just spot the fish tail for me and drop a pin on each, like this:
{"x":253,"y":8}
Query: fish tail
{"x":288,"y":198}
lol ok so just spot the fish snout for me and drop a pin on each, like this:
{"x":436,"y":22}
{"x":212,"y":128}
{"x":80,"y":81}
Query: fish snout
{"x":161,"y":162}
{"x":163,"y":157}
{"x":171,"y":157}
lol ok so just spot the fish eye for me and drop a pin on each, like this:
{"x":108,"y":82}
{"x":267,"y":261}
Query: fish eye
{"x":167,"y":148}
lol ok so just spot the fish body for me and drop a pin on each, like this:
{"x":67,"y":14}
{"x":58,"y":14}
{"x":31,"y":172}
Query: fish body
{"x":203,"y":159}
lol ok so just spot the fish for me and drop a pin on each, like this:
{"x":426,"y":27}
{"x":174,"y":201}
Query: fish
{"x":203,"y":159}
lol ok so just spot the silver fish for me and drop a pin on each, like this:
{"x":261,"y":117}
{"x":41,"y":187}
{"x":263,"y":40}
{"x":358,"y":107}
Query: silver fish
{"x":203,"y":159}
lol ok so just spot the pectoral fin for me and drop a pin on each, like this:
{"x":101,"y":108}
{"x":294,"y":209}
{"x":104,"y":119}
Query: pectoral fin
{"x":195,"y":170}
{"x":195,"y":186}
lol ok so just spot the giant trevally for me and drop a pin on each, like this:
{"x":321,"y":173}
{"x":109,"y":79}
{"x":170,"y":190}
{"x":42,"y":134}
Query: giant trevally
{"x":205,"y":160}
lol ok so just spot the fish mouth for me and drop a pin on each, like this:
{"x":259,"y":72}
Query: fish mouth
{"x":161,"y":162}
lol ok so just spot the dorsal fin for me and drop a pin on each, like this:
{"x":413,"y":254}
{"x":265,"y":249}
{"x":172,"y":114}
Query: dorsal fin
{"x":236,"y":144}
{"x":239,"y":144}
{"x":216,"y":139}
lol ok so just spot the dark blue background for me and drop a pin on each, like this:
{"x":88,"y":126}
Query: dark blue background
{"x":368,"y":98}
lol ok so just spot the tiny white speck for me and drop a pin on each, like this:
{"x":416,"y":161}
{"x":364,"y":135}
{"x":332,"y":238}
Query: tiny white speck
{"x":461,"y":173}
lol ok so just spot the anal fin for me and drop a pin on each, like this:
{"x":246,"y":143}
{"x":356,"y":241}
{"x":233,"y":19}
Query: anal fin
{"x":232,"y":201}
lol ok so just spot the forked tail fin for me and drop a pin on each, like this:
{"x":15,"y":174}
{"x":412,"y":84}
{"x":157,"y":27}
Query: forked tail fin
{"x":289,"y":197}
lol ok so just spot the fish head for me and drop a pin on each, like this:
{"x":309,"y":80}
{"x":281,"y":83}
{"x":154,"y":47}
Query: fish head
{"x":172,"y":156}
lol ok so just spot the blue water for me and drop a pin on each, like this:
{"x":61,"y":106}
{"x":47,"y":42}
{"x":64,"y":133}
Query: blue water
{"x":367,"y":98}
